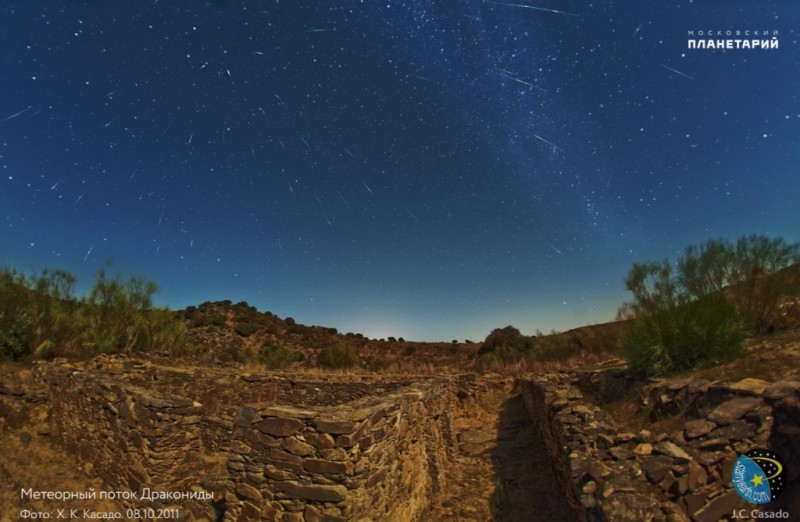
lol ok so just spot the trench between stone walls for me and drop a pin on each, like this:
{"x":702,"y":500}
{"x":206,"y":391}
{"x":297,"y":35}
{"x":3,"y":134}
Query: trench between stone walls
{"x":380,"y":449}
{"x":374,"y":449}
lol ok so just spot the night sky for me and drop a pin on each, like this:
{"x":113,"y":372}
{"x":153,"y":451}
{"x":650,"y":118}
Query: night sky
{"x":424,"y":169}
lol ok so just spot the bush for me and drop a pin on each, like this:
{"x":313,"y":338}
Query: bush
{"x":697,"y":314}
{"x":338,"y":356}
{"x":275,"y":356}
{"x":508,"y":337}
{"x":39,"y":316}
{"x":751,"y":273}
{"x":247,"y":329}
{"x":699,"y":333}
{"x":500,"y":354}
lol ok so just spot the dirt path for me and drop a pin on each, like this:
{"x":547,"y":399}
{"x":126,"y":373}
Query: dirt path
{"x":502,"y":472}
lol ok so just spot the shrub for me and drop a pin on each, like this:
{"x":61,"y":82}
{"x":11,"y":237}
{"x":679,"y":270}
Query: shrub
{"x":509,"y":337}
{"x":275,"y":356}
{"x":247,"y":329}
{"x":699,"y":333}
{"x":751,"y":273}
{"x":39,"y":316}
{"x":500,"y":354}
{"x":697,"y":314}
{"x":338,"y":356}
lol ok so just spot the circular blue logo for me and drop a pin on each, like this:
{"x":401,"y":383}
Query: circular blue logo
{"x":759,"y":476}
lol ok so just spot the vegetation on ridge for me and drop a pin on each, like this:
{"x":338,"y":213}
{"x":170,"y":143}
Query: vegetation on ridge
{"x":694,"y":313}
{"x":697,"y":312}
{"x":40,"y":316}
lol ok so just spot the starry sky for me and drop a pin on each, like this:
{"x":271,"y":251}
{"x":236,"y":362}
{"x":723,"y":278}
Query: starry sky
{"x":424,"y":169}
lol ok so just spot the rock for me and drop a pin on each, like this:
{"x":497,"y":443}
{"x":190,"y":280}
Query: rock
{"x":697,"y":428}
{"x":695,"y":501}
{"x":335,"y":493}
{"x":698,"y":386}
{"x":325,"y":441}
{"x":656,"y":468}
{"x":713,"y":443}
{"x":247,"y":491}
{"x":719,"y":507}
{"x":582,"y":410}
{"x":476,"y":437}
{"x":625,"y":436}
{"x":297,"y":447}
{"x":287,"y":412}
{"x":250,"y":511}
{"x":708,"y":459}
{"x":738,"y":430}
{"x":667,"y":482}
{"x":621,"y":452}
{"x":671,"y":450}
{"x":238,"y":446}
{"x":674,"y":512}
{"x":605,"y":441}
{"x":781,"y":389}
{"x":283,"y":456}
{"x":280,"y":427}
{"x":475,"y":450}
{"x":335,"y":427}
{"x":643,"y":449}
{"x":697,"y":477}
{"x":749,"y":386}
{"x":733,"y":410}
{"x":326,"y":466}
{"x":630,"y":507}
{"x":680,"y":486}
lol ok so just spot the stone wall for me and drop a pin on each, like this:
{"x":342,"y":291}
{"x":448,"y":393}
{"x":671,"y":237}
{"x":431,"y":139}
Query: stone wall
{"x":681,"y":475}
{"x":371,"y":459}
{"x":267,"y":448}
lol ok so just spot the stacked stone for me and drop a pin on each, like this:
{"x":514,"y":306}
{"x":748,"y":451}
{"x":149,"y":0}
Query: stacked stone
{"x":133,"y":438}
{"x":366,"y":460}
{"x":680,"y":476}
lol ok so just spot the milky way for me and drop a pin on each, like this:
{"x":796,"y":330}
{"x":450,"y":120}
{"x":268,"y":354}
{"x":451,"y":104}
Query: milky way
{"x":422,"y":169}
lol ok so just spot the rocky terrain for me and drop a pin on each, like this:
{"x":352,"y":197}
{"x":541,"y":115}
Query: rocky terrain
{"x":581,"y":443}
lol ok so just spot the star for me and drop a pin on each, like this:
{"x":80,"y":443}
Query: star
{"x":757,"y":480}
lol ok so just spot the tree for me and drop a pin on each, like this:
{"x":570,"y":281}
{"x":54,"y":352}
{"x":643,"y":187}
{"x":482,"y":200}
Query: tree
{"x":748,"y":273}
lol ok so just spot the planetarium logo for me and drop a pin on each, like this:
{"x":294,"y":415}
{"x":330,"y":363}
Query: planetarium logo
{"x":733,"y":39}
{"x":759,"y":476}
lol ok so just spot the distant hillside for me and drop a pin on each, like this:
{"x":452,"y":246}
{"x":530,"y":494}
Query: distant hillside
{"x":238,"y":332}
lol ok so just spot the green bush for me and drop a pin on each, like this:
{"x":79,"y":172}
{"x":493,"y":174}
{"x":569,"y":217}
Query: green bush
{"x":247,"y":329}
{"x":40,"y":317}
{"x":752,"y":274}
{"x":275,"y":356}
{"x":699,"y":333}
{"x":502,"y":353}
{"x":508,"y":337}
{"x":338,"y":356}
{"x":698,"y":313}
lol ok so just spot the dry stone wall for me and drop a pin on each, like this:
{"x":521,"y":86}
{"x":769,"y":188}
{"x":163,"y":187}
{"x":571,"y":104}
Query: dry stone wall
{"x":371,"y":459}
{"x":678,"y":476}
{"x":266,"y":448}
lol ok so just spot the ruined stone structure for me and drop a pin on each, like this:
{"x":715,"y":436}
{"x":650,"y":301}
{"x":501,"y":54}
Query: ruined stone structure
{"x":379,"y":449}
{"x":678,"y":476}
{"x":265,"y":448}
